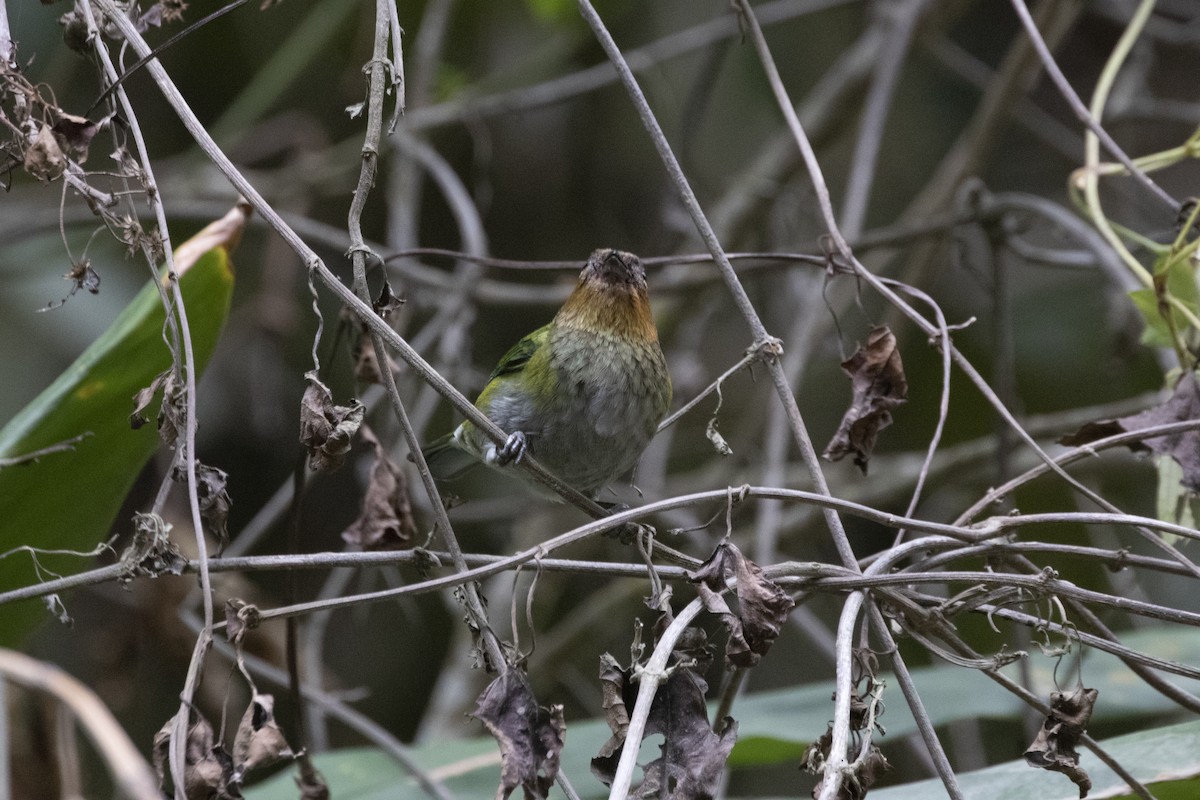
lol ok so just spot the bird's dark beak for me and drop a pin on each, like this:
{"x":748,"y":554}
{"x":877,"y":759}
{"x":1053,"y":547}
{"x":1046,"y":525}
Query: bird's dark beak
{"x":613,"y":268}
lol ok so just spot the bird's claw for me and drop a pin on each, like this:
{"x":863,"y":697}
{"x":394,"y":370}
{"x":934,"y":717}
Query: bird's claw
{"x":513,"y":449}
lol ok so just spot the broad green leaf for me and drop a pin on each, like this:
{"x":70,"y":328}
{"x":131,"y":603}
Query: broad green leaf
{"x":67,"y":500}
{"x":1166,"y":760}
{"x":773,"y":727}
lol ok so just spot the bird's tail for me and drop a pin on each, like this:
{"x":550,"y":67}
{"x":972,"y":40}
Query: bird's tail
{"x":447,"y":460}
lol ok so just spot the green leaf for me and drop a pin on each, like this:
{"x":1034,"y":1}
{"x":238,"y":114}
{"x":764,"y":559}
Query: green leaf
{"x":1178,"y":279}
{"x":1166,"y":760}
{"x":67,"y":500}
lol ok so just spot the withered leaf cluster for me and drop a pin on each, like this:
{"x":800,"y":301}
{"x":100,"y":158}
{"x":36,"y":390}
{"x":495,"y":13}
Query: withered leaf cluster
{"x":762,"y":606}
{"x":693,"y":756}
{"x":75,"y":27}
{"x":866,"y":706}
{"x":877,"y":379}
{"x":212,"y":772}
{"x":1054,"y":747}
{"x":386,"y":519}
{"x":151,"y":553}
{"x":530,"y":736}
{"x":1184,"y":447}
{"x":864,"y":773}
{"x":326,"y":429}
{"x":41,"y":137}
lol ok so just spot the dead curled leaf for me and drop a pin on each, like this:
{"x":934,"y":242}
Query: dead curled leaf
{"x":877,"y":379}
{"x":718,"y":441}
{"x":213,"y":499}
{"x":386,"y":520}
{"x":151,"y":553}
{"x":762,"y":606}
{"x":84,"y":276}
{"x":387,"y":302}
{"x":75,"y":134}
{"x":860,"y":777}
{"x":171,"y":412}
{"x":612,"y":686}
{"x":530,"y":736}
{"x":693,"y":756}
{"x":327,"y":429}
{"x":44,"y":158}
{"x":1184,"y":447}
{"x":259,"y":741}
{"x":240,"y":618}
{"x":1054,"y":747}
{"x":208,"y":768}
{"x":210,"y":772}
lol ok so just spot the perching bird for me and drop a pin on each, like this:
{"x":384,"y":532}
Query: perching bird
{"x":583,"y":394}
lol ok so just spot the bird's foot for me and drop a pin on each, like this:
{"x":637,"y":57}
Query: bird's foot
{"x":513,"y":449}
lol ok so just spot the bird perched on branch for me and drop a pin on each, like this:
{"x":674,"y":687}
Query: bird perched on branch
{"x":583,"y":394}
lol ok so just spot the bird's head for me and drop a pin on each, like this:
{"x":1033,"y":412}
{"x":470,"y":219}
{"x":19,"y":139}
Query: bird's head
{"x":614,"y":268}
{"x":611,"y":296}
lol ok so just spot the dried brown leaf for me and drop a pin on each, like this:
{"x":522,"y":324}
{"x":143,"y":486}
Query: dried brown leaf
{"x":151,"y":553}
{"x":259,"y":741}
{"x":762,"y":606}
{"x":693,"y":757}
{"x":1184,"y":447}
{"x":171,"y":412}
{"x":613,"y":682}
{"x":75,"y":134}
{"x":877,"y":379}
{"x":240,"y":618}
{"x":1054,"y":747}
{"x":44,"y":157}
{"x":530,"y":736}
{"x":213,"y":499}
{"x":75,"y":32}
{"x":143,"y":399}
{"x":327,"y":429}
{"x":84,"y":276}
{"x":718,"y":441}
{"x":387,"y":302}
{"x":207,"y":770}
{"x":386,"y":520}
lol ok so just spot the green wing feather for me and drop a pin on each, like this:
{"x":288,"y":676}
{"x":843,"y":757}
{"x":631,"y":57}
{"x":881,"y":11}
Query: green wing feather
{"x":447,"y":457}
{"x":519,"y":354}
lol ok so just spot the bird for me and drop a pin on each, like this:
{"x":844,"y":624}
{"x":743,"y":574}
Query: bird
{"x":583,"y":394}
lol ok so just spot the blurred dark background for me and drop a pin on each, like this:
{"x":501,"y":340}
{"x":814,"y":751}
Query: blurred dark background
{"x":553,"y":180}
